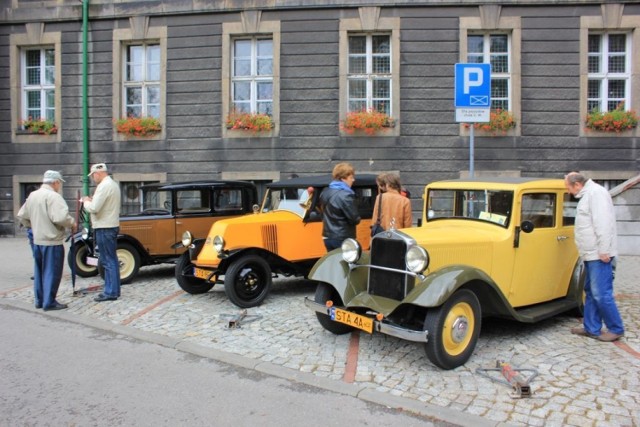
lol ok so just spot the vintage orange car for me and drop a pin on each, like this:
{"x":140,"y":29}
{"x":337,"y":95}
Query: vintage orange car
{"x":284,"y":236}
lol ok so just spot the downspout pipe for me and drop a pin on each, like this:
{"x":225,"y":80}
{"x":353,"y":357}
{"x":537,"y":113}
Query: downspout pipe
{"x":85,"y":103}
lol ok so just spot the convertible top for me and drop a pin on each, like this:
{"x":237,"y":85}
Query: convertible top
{"x":196,"y":184}
{"x":362,"y":180}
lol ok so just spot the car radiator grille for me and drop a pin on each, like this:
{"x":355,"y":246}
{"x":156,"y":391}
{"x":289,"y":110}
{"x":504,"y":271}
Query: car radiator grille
{"x":270,"y":238}
{"x":389,"y":253}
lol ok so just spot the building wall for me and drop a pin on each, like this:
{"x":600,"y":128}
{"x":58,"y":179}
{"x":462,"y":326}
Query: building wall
{"x":427,"y":144}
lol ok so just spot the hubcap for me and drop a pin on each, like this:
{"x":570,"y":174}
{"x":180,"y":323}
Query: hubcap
{"x":459,"y":329}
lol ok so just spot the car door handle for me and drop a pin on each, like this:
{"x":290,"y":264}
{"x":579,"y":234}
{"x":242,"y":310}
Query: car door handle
{"x":560,"y":238}
{"x":180,"y":223}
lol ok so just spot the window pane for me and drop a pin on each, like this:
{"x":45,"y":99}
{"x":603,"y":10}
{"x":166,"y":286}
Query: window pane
{"x":382,"y":89}
{"x":153,"y":111}
{"x":265,"y":47}
{"x":33,"y":101}
{"x":593,"y":105}
{"x":134,"y":96}
{"x":50,"y":97}
{"x":382,"y":106}
{"x":242,"y":48}
{"x":265,"y":91}
{"x":51,"y":114}
{"x":476,"y":59}
{"x":134,"y":111}
{"x":243,"y":107}
{"x":617,"y":43}
{"x":241,"y":91}
{"x":357,"y":65}
{"x":153,"y":53}
{"x":265,"y":67}
{"x":594,"y":43}
{"x":617,"y":64}
{"x":50,"y":75}
{"x":500,"y":104}
{"x":33,"y":58}
{"x":499,"y":44}
{"x":499,"y":88}
{"x":381,"y":64}
{"x":33,"y":76}
{"x":616,"y":89}
{"x":357,"y":105}
{"x":242,"y":67}
{"x":381,"y":44}
{"x":357,"y":88}
{"x":594,"y":64}
{"x":153,"y":94}
{"x":593,"y":90}
{"x":475,"y":44}
{"x":357,"y":44}
{"x":265,"y":108}
{"x":153,"y":63}
{"x":499,"y":63}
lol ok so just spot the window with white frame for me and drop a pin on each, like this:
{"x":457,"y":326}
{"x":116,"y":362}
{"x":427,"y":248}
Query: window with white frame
{"x":252,"y":75}
{"x":493,"y":49}
{"x":609,"y":71}
{"x":141,"y":91}
{"x":369,"y":76}
{"x":38,"y":84}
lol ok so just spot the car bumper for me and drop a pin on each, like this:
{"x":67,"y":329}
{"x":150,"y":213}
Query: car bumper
{"x":378,"y":326}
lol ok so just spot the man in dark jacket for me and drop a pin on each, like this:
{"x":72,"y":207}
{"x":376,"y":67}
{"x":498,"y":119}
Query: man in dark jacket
{"x":339,"y":210}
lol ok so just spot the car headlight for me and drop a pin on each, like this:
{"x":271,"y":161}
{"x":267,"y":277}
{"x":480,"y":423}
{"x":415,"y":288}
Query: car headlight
{"x":417,"y":259}
{"x":85,"y":233}
{"x":351,"y":250}
{"x":218,"y":244}
{"x":187,"y":238}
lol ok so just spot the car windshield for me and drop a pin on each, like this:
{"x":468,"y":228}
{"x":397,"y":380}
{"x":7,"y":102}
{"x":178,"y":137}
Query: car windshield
{"x":493,"y":206}
{"x":156,"y":200}
{"x":289,"y":199}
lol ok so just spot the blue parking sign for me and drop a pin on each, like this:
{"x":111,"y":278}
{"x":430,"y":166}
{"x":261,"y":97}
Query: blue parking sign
{"x":473,"y":85}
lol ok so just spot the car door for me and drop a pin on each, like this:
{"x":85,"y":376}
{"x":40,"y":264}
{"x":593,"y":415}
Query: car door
{"x":545,"y":257}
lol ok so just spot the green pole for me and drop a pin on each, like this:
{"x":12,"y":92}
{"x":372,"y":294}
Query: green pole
{"x":85,"y":104}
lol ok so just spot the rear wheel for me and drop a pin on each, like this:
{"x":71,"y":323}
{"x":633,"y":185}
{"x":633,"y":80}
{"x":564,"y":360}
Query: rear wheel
{"x":324,"y":293}
{"x":247,"y":281}
{"x":129,"y":262}
{"x":78,"y":256}
{"x":453,"y":330}
{"x":187,"y":281}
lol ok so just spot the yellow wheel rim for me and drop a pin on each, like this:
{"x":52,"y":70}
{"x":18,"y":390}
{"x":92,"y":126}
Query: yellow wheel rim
{"x":126,"y":261}
{"x":458,"y":329}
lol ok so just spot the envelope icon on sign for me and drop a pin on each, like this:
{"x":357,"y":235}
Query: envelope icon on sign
{"x":478,"y":100}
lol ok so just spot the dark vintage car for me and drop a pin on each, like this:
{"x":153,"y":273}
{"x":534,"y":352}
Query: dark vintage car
{"x":284,"y":236}
{"x":168,"y":210}
{"x":486,"y":248}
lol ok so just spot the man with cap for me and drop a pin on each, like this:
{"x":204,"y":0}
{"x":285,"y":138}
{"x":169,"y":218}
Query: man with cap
{"x":46,"y":212}
{"x":104,"y":208}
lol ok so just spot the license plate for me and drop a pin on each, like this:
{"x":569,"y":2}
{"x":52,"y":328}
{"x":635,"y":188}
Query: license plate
{"x":91,"y":261}
{"x":201,"y":274}
{"x":352,"y":319}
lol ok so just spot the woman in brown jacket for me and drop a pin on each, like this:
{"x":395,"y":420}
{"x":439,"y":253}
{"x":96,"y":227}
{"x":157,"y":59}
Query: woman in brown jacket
{"x":395,"y":207}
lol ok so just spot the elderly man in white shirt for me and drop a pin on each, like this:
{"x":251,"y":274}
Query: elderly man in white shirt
{"x":104,"y":208}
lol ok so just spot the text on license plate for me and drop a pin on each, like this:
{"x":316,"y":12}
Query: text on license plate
{"x":352,"y":319}
{"x":201,"y":274}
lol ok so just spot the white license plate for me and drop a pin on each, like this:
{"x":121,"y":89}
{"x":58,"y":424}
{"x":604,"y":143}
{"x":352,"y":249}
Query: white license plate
{"x":92,"y":261}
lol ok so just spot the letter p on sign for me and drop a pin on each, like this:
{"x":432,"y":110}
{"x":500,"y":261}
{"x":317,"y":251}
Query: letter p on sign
{"x":473,"y":77}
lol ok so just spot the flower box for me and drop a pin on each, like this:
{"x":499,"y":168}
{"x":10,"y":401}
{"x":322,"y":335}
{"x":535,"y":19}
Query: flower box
{"x":252,"y":122}
{"x":138,"y":126}
{"x":617,"y":120}
{"x":500,"y":121}
{"x":369,"y":121}
{"x":40,"y":126}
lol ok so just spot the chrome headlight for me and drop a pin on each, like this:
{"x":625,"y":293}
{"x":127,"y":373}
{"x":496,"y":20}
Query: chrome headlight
{"x":351,"y":250}
{"x":187,"y":238}
{"x":417,"y":259}
{"x":218,"y":244}
{"x":85,"y":233}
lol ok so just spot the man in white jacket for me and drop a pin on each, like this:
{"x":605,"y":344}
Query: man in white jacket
{"x":595,"y":235}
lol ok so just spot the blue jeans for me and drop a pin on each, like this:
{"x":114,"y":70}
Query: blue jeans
{"x":600,"y":305}
{"x":47,"y":273}
{"x":332,"y":244}
{"x":107,"y":240}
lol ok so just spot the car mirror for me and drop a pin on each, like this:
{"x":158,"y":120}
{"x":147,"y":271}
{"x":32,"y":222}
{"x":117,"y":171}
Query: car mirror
{"x":527,"y":226}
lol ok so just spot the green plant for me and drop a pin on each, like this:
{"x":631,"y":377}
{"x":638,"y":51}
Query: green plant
{"x":254,"y":122}
{"x":370,"y":121}
{"x":40,"y":126}
{"x":616,"y":120}
{"x":138,"y":126}
{"x":499,"y":121}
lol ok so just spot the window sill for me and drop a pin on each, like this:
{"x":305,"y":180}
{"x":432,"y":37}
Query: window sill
{"x":23,"y":136}
{"x":242,"y":133}
{"x":120,"y":137}
{"x":589,"y":133}
{"x":464,"y":131}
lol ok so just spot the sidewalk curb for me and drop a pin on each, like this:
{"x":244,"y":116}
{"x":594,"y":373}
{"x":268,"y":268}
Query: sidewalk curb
{"x":434,"y":413}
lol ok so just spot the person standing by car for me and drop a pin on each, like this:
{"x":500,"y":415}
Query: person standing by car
{"x":396,"y":208}
{"x":595,"y":235}
{"x":104,"y":208}
{"x":339,"y":210}
{"x":47,"y":215}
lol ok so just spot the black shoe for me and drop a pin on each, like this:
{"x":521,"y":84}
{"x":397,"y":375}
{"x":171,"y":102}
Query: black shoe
{"x":38,"y":305}
{"x":56,"y":306}
{"x":103,"y":297}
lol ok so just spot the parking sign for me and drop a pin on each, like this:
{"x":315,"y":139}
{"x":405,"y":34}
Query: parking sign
{"x":473,"y":85}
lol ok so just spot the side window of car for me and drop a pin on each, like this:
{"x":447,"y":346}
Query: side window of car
{"x":193,"y":201}
{"x":539,"y":208}
{"x":365,"y":198}
{"x":569,"y":206}
{"x":228,"y":200}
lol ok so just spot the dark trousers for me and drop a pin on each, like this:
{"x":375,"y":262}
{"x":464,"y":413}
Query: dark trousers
{"x":48,"y":264}
{"x":107,"y":240}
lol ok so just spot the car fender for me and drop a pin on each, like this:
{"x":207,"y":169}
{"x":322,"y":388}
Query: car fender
{"x":276,"y":262}
{"x":332,"y":269}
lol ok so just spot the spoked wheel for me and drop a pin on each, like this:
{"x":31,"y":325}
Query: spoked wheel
{"x":324,"y":293}
{"x":79,"y":257}
{"x":453,"y":330}
{"x":129,"y":262}
{"x":247,"y":281}
{"x":187,"y":281}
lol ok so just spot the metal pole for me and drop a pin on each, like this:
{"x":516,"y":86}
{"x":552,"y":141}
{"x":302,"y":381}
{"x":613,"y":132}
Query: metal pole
{"x":85,"y":104}
{"x":471,"y":151}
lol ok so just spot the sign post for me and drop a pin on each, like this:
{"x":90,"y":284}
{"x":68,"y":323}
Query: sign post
{"x":472,"y":99}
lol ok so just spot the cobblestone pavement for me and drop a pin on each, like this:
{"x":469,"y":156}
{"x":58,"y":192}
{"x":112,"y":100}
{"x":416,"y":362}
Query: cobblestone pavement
{"x":579,"y":382}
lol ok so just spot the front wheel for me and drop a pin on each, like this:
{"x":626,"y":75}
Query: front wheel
{"x":324,"y":293}
{"x":187,"y":281}
{"x":247,"y":281}
{"x":78,"y":256}
{"x":453,"y":330}
{"x":129,"y":262}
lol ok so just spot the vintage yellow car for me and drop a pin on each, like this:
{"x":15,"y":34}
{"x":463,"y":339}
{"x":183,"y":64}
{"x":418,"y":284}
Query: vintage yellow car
{"x":284,"y":236}
{"x":501,"y":248}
